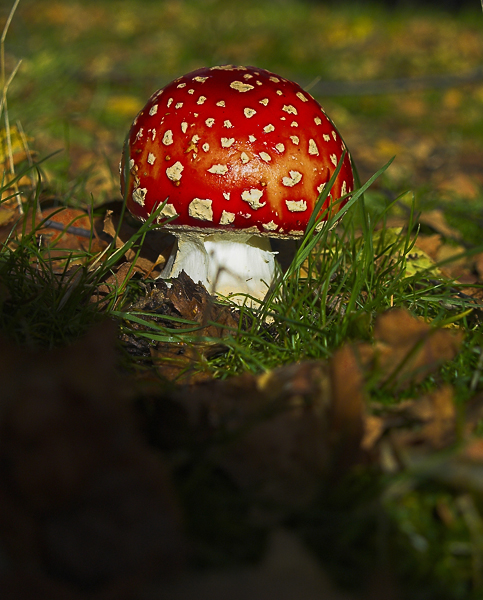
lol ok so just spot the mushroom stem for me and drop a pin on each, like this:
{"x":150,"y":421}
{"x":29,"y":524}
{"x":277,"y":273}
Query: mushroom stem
{"x":225,"y":264}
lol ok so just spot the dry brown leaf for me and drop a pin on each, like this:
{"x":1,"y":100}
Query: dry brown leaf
{"x":182,"y":361}
{"x":440,"y":430}
{"x":119,"y":277}
{"x":461,"y":185}
{"x":76,"y":230}
{"x":430,"y":244}
{"x":407,"y":349}
{"x":437,"y":221}
{"x":155,"y":249}
{"x":427,"y":424}
{"x":346,"y":408}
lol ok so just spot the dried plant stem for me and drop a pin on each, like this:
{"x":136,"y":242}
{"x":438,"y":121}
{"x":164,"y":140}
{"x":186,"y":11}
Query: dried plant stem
{"x":2,"y":41}
{"x":3,"y":105}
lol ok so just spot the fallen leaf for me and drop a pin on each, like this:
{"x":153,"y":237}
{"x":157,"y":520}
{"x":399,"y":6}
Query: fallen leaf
{"x":182,"y":361}
{"x":407,"y":349}
{"x":437,"y":221}
{"x":346,"y":409}
{"x":427,"y":424}
{"x":430,"y":244}
{"x":156,"y":247}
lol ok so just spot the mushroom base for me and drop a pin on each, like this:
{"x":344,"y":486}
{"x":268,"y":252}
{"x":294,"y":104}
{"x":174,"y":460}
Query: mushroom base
{"x":225,"y":264}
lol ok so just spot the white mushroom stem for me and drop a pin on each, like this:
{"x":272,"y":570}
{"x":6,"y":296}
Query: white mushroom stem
{"x":225,"y":263}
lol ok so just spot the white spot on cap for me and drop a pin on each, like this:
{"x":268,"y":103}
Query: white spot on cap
{"x":317,"y":120}
{"x":253,"y":198}
{"x":302,"y":97}
{"x":313,"y":150}
{"x":131,"y":163}
{"x":168,"y":210}
{"x":334,"y":135}
{"x":258,"y":82}
{"x":226,"y":195}
{"x":295,"y":177}
{"x":201,"y":209}
{"x":223,"y":68}
{"x":264,"y":101}
{"x":168,"y":137}
{"x":333,"y":159}
{"x":249,"y":112}
{"x":210,"y":122}
{"x":139,"y":195}
{"x":192,"y":146}
{"x":268,"y":128}
{"x":244,"y":158}
{"x":178,"y":105}
{"x":191,"y":91}
{"x":139,"y":134}
{"x":205,"y":147}
{"x":295,"y":139}
{"x":154,"y":134}
{"x":288,"y":108}
{"x":153,"y":110}
{"x":227,"y":218}
{"x":240,"y":86}
{"x":294,"y":124}
{"x":279,"y":92}
{"x":181,"y":85}
{"x":221,"y":103}
{"x":175,"y":171}
{"x":280,"y":147}
{"x":326,"y":137}
{"x":271,"y":226}
{"x":227,"y":124}
{"x":247,"y":76}
{"x":296,"y":205}
{"x":274,"y":79}
{"x":227,"y":142}
{"x":265,"y":157}
{"x":252,"y":138}
{"x":343,"y":189}
{"x":200,"y":79}
{"x":201,"y":100}
{"x":218,"y":169}
{"x":184,"y":126}
{"x":169,"y":102}
{"x":320,"y":187}
{"x":151,"y":158}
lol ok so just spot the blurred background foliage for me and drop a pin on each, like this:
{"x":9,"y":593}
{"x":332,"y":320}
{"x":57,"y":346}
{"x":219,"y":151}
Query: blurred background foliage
{"x":89,"y":66}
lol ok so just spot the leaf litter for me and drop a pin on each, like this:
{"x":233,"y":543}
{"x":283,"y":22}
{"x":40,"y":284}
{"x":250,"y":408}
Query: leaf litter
{"x":74,"y":453}
{"x":78,"y":458}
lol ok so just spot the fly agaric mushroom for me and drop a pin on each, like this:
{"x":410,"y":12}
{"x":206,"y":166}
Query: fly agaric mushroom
{"x":239,"y":155}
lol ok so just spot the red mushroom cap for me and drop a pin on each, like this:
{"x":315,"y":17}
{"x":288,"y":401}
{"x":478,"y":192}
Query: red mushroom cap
{"x":235,"y":148}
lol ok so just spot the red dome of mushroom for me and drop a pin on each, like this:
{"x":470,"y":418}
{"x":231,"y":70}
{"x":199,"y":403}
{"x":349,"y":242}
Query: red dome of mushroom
{"x":234,"y":148}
